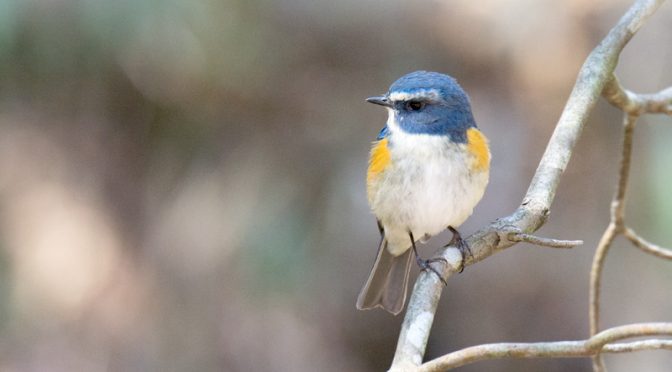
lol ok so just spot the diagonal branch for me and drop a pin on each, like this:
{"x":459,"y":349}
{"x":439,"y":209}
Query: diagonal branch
{"x":534,"y":210}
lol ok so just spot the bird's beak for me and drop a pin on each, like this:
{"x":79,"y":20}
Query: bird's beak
{"x":380,"y":100}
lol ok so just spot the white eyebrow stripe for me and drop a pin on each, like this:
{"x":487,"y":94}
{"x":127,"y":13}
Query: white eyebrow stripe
{"x":430,"y":94}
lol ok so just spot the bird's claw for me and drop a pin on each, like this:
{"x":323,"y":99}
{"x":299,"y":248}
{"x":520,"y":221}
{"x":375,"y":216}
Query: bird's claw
{"x":426,"y":265}
{"x":461,"y":245}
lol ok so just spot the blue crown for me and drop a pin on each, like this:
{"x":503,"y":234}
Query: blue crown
{"x":427,"y":80}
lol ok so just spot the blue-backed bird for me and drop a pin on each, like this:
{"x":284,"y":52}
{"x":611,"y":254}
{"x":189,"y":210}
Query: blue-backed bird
{"x":428,"y":169}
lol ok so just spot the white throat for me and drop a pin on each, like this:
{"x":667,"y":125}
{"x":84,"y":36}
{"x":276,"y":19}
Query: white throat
{"x":417,"y":144}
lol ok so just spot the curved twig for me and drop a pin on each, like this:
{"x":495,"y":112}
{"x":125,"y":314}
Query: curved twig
{"x":637,"y":104}
{"x":645,"y":246}
{"x":543,"y":242}
{"x":601,"y":342}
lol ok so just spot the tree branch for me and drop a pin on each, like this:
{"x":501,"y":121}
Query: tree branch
{"x":627,"y":347}
{"x":534,"y":209}
{"x":645,"y":246}
{"x":637,"y":104}
{"x":596,"y":275}
{"x":632,"y":105}
{"x":615,"y":227}
{"x":601,"y":342}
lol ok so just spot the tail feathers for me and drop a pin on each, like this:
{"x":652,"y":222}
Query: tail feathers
{"x":387,"y":283}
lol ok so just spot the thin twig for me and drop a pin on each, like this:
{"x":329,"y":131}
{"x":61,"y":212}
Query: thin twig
{"x":543,"y":242}
{"x":627,"y":347}
{"x":637,"y":104}
{"x":615,"y":227}
{"x":618,"y":205}
{"x":596,"y":275}
{"x":601,"y":342}
{"x":533,"y":211}
{"x":645,"y":246}
{"x":632,"y":105}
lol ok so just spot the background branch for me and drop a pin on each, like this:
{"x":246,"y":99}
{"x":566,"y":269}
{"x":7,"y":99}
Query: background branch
{"x":595,"y":73}
{"x":645,"y":246}
{"x":632,"y":105}
{"x":637,"y":104}
{"x":601,"y":342}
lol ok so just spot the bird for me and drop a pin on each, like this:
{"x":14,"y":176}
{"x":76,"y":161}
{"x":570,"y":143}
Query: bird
{"x":428,"y":168}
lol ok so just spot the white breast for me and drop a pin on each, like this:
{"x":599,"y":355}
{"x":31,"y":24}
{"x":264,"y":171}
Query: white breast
{"x":428,"y":186}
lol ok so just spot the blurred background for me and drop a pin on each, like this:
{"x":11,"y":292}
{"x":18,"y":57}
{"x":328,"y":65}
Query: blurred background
{"x":182,"y":182}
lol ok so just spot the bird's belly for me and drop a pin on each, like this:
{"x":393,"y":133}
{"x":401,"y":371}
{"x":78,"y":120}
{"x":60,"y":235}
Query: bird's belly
{"x":425,"y":195}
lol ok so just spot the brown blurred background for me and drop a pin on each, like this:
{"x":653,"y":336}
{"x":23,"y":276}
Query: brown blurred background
{"x":182,"y":182}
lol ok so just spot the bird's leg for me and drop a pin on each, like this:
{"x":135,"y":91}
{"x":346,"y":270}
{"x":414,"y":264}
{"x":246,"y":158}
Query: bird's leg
{"x":426,"y":264}
{"x":461,"y":245}
{"x":381,"y":230}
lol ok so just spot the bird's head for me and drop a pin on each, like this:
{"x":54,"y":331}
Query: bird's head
{"x":427,"y":103}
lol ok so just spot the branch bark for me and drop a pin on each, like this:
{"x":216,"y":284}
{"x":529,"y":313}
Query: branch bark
{"x":602,"y":342}
{"x":637,"y":104}
{"x":595,"y":73}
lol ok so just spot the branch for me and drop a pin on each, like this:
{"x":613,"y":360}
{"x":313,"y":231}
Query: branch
{"x":637,"y":104}
{"x":632,"y":105}
{"x":601,"y":342}
{"x":627,"y":347}
{"x":534,"y":209}
{"x":543,"y":242}
{"x":596,"y":275}
{"x":596,"y":272}
{"x":645,"y":246}
{"x":614,"y":228}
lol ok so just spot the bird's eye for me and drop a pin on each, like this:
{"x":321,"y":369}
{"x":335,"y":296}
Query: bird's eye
{"x":415,"y":105}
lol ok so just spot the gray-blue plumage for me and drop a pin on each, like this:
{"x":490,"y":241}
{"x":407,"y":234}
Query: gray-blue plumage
{"x":443,"y":106}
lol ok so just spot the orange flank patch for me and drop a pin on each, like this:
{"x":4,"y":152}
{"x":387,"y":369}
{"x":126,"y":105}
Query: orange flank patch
{"x":378,"y":160}
{"x":477,"y":145}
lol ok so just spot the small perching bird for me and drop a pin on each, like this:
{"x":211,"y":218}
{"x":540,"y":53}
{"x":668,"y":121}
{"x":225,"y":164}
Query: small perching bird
{"x":428,"y":168}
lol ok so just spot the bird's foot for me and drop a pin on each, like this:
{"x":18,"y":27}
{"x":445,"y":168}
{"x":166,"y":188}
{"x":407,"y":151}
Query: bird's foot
{"x":427,"y":264}
{"x":461,"y":244}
